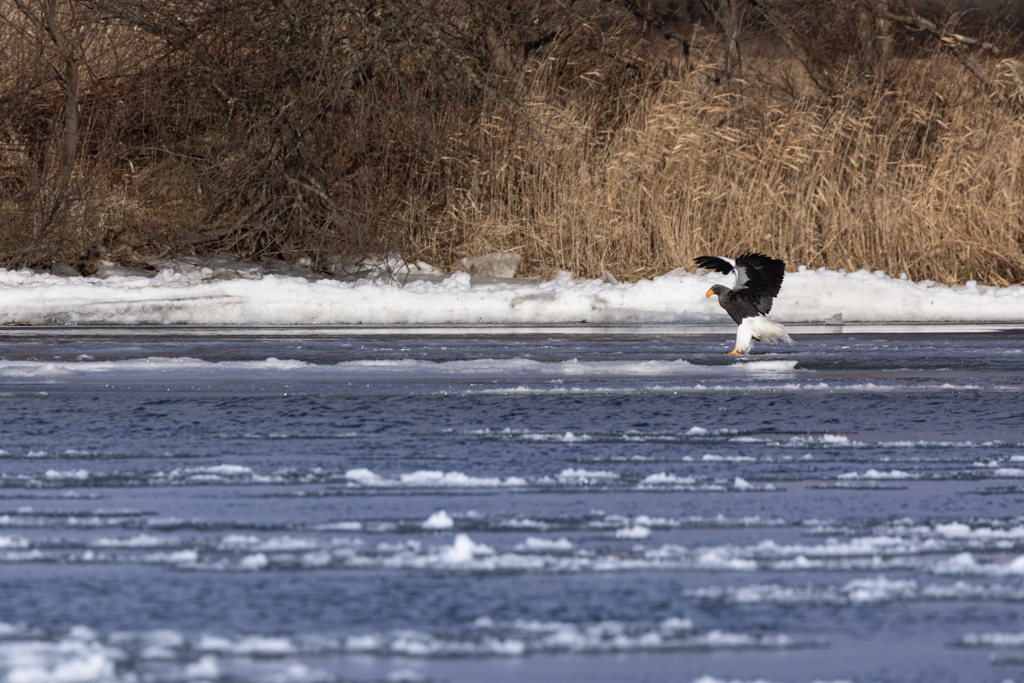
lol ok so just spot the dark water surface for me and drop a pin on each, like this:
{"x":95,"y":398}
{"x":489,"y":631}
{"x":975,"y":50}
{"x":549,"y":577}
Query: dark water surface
{"x":544,"y":506}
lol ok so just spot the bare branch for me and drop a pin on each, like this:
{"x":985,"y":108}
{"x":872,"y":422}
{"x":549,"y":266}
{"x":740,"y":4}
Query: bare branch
{"x":817,"y":71}
{"x":960,"y":44}
{"x":947,"y":37}
{"x":645,"y":16}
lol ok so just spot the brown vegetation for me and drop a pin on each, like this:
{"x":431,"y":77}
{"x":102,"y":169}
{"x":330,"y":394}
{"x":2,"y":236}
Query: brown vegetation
{"x":584,"y":136}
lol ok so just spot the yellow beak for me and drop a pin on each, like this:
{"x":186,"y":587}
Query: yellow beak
{"x":708,"y":295}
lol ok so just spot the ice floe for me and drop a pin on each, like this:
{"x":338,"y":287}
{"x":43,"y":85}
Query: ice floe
{"x":868,"y":590}
{"x":428,"y":479}
{"x":1006,"y":640}
{"x":82,"y":655}
{"x":438,"y":521}
{"x":184,"y":368}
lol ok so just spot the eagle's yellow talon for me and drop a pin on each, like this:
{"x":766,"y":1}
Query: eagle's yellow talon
{"x":734,"y":352}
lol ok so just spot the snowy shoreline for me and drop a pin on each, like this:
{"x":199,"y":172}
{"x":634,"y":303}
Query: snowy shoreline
{"x":172,"y":298}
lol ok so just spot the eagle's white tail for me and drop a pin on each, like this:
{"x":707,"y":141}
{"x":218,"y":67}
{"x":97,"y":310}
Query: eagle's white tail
{"x":762,"y":329}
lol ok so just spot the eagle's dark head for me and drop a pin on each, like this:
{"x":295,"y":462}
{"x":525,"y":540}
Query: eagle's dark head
{"x":716,"y":289}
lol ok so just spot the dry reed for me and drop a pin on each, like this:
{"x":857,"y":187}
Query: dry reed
{"x":927,"y":180}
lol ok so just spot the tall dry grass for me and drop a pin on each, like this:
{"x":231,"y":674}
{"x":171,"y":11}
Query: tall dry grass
{"x":927,"y":180}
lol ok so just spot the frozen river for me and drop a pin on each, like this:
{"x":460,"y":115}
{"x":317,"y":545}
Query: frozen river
{"x":563,"y":504}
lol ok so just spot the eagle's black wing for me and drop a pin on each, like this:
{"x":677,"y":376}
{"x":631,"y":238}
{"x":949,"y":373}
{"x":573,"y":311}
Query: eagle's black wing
{"x":758,"y":280}
{"x":714,"y":263}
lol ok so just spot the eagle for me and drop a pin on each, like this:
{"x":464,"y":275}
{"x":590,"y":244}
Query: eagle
{"x":758,"y":281}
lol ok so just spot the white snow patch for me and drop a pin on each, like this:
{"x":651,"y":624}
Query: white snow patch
{"x":176,"y":299}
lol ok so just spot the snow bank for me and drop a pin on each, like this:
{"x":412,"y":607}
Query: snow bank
{"x":171,"y":298}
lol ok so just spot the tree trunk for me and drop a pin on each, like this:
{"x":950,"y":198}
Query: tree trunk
{"x":730,"y":19}
{"x":69,"y":146}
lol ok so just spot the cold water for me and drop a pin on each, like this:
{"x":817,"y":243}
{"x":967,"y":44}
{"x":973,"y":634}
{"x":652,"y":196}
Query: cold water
{"x":494,"y":505}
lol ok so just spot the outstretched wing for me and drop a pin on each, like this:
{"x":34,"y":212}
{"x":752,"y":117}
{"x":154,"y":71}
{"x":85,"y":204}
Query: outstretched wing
{"x":716,"y":263}
{"x":758,"y":280}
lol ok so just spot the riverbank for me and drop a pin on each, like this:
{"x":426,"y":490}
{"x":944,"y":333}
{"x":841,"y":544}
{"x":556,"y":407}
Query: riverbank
{"x":678,"y":298}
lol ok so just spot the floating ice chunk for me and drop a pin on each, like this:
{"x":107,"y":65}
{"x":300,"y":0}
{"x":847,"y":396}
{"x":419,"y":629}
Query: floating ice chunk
{"x":711,"y":457}
{"x":76,"y":658}
{"x":429,"y":479}
{"x":993,"y":640}
{"x":567,"y":437}
{"x":287,"y":544}
{"x":364,"y":643}
{"x":953,"y":530}
{"x":524,"y":523}
{"x":254,"y":562}
{"x":319,"y":558}
{"x":438,"y":520}
{"x":263,"y":646}
{"x":878,"y":589}
{"x":340,"y":526}
{"x":1009,"y":472}
{"x":675,"y":625}
{"x":636,"y":533}
{"x":723,"y":558}
{"x":665,"y":479}
{"x":506,"y":648}
{"x":205,"y":669}
{"x":214,"y":473}
{"x":227,"y":470}
{"x":463,"y":550}
{"x":10,"y":542}
{"x":366,"y":477}
{"x":238,"y":541}
{"x":533,"y":545}
{"x":583,"y":477}
{"x":831,"y":440}
{"x":81,"y":475}
{"x":857,"y":591}
{"x":178,"y":557}
{"x":741,"y":484}
{"x":876,"y":474}
{"x":964,"y":563}
{"x":213,"y":643}
{"x":139,"y":541}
